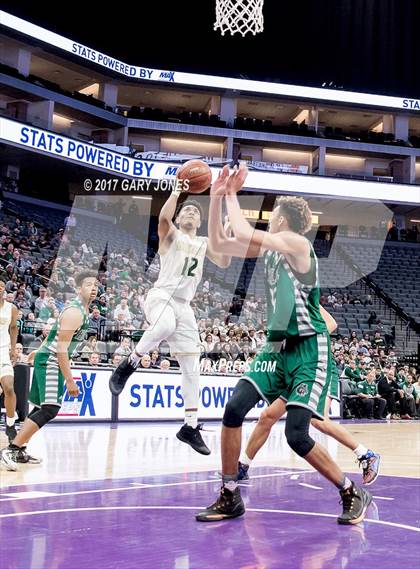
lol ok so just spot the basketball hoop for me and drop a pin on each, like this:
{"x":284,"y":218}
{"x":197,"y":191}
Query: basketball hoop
{"x":241,"y":16}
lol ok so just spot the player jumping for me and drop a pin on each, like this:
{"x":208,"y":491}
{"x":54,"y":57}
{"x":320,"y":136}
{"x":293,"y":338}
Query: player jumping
{"x":168,"y":309}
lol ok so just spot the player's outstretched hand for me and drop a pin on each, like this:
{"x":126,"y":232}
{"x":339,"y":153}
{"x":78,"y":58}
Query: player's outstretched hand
{"x":237,"y":179}
{"x":218,"y":188}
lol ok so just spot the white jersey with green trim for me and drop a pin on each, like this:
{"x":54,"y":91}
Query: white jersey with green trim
{"x":181,"y":267}
{"x":5,"y":320}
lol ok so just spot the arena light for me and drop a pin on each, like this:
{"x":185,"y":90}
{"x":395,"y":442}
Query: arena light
{"x":198,"y":80}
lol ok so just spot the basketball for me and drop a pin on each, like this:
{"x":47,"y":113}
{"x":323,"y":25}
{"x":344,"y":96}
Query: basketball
{"x":197,"y":173}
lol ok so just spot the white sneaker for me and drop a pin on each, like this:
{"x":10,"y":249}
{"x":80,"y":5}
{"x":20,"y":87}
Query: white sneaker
{"x":8,"y":459}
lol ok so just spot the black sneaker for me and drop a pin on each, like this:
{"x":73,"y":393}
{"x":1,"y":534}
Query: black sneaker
{"x":355,"y":502}
{"x":24,"y":456}
{"x":228,"y":505}
{"x":192,"y":437}
{"x":243,"y":471}
{"x":11,"y":433}
{"x":120,"y":376}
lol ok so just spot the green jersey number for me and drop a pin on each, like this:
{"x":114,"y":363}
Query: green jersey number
{"x":188,"y":269}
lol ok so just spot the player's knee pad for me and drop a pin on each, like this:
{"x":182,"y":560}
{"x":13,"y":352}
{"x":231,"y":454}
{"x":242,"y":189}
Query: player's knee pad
{"x":297,"y":430}
{"x":243,"y":399}
{"x":44,"y":414}
{"x":234,"y":414}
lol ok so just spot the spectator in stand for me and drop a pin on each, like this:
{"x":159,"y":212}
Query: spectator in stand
{"x":411,"y":395}
{"x":377,"y":341}
{"x":46,"y":328}
{"x":123,"y":309}
{"x":331,"y":299}
{"x":29,"y":326}
{"x":89,"y":347}
{"x":145,"y":362}
{"x":116,"y":359}
{"x":363,"y":370}
{"x":155,"y":359}
{"x":165,"y":365}
{"x":208,"y":346}
{"x":21,"y":358}
{"x":372,"y":403}
{"x":260,"y":339}
{"x":351,"y":401}
{"x":42,"y":301}
{"x":389,"y":389}
{"x":124,"y":349}
{"x":94,"y":359}
{"x":352,"y":372}
{"x":96,"y":322}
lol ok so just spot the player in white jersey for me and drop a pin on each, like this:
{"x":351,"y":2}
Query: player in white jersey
{"x":8,"y":336}
{"x":168,"y":309}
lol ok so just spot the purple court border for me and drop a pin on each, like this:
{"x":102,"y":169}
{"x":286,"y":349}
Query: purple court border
{"x":149,"y":522}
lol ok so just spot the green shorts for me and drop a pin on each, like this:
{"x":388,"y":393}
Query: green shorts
{"x":298,"y":371}
{"x":47,"y":380}
{"x":333,"y":391}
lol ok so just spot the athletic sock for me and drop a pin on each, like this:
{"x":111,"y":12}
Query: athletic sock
{"x":244,"y":459}
{"x":10,"y":421}
{"x":191,"y":418}
{"x":344,"y":484}
{"x":134,"y":358}
{"x":360,"y":451}
{"x":230,"y":482}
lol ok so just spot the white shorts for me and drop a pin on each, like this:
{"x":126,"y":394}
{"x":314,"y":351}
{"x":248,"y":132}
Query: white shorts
{"x":6,"y":368}
{"x":185,"y":340}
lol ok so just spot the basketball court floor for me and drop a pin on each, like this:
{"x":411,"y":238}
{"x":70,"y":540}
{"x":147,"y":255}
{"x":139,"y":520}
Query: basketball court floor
{"x":125,"y":496}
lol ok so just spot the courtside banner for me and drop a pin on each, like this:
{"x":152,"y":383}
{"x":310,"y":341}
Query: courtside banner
{"x":90,"y":155}
{"x":157,"y":396}
{"x":94,"y":401}
{"x":199,"y":80}
{"x":149,"y":396}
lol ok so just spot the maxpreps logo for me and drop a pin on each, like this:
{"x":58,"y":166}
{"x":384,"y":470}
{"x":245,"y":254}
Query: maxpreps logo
{"x":79,"y":406}
{"x":167,"y":75}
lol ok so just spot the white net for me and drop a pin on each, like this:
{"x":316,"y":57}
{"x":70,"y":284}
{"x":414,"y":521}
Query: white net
{"x":240,"y":16}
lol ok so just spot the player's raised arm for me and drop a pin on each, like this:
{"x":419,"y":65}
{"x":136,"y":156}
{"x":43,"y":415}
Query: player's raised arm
{"x":221,"y":243}
{"x":70,"y":321}
{"x":287,"y":242}
{"x":166,"y":226}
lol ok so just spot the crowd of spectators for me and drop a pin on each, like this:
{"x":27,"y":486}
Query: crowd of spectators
{"x":40,"y":283}
{"x":374,"y":386}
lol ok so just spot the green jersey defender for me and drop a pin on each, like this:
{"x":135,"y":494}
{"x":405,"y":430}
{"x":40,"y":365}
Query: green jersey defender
{"x":298,"y":341}
{"x":48,"y":380}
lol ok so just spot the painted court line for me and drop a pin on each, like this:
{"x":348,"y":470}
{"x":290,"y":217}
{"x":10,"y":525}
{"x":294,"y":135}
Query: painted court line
{"x":309,"y":486}
{"x":140,"y":486}
{"x":198,"y":508}
{"x":31,"y":494}
{"x":382,"y":498}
